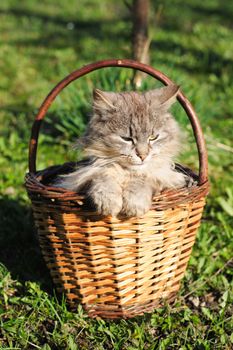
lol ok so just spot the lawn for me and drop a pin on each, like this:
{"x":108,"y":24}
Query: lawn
{"x":42,"y":42}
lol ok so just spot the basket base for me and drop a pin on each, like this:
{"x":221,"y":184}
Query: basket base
{"x":114,"y":311}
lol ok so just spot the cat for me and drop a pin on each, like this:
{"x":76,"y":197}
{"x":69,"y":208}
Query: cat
{"x":131,"y":141}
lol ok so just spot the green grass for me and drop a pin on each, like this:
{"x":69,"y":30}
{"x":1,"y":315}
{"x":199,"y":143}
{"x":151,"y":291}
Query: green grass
{"x":41,"y":42}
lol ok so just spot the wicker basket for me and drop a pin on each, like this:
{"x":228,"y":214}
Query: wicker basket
{"x":115,"y":267}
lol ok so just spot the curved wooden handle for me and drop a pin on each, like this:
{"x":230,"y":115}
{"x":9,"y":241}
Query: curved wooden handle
{"x":197,"y":131}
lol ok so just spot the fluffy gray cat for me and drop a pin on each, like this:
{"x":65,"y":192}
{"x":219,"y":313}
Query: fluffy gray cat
{"x":131,"y":142}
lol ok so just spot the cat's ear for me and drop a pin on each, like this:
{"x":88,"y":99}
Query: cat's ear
{"x":164,"y":97}
{"x":168,"y":96}
{"x":103,"y":100}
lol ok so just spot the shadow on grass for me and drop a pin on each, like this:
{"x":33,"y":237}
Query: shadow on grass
{"x":19,"y":247}
{"x":60,"y":36}
{"x":191,"y":12}
{"x":222,"y":12}
{"x":206,"y":61}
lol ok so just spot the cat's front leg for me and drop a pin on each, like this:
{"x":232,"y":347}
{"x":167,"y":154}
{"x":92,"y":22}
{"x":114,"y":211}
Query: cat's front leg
{"x":106,"y":196}
{"x":137,"y":199}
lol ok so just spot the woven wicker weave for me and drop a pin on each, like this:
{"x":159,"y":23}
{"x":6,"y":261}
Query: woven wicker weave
{"x":115,"y":267}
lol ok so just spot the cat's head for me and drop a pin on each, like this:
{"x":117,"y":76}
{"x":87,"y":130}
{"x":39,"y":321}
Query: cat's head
{"x":132,"y":128}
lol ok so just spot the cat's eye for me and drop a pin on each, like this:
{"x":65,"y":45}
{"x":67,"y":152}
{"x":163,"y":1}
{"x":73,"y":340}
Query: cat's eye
{"x":153,"y":137}
{"x":127,"y":139}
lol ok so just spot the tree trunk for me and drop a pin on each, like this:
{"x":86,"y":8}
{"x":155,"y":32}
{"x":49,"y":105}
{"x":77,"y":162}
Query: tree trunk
{"x":141,"y":41}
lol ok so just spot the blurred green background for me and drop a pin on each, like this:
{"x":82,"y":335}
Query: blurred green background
{"x":43,"y":41}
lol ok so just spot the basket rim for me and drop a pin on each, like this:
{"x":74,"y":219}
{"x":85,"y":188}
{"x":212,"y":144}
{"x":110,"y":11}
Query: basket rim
{"x":166,"y":199}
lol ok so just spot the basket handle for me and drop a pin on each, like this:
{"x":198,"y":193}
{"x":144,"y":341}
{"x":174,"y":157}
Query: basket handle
{"x":197,"y":131}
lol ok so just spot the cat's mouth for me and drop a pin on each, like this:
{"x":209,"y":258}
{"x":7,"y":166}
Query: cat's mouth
{"x":140,"y":162}
{"x":137,"y":165}
{"x":133,"y":162}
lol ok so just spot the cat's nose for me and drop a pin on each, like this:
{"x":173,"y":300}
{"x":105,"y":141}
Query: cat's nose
{"x":142,"y":150}
{"x":142,"y":156}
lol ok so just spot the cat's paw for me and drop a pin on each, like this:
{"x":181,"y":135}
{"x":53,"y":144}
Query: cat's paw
{"x":136,"y":210}
{"x":136,"y":204}
{"x":107,"y":203}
